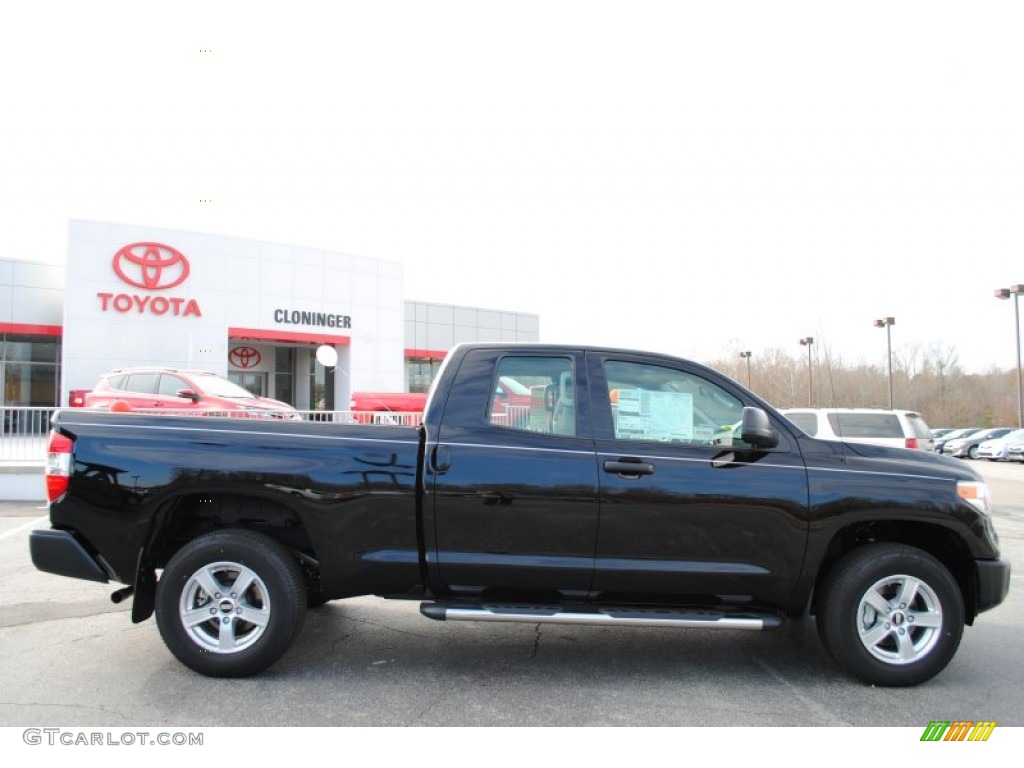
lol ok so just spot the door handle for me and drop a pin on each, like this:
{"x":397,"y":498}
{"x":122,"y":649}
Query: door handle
{"x":629,"y":468}
{"x":441,"y":459}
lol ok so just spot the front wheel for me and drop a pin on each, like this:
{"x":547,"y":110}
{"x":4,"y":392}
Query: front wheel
{"x":890,"y":614}
{"x":229,"y":603}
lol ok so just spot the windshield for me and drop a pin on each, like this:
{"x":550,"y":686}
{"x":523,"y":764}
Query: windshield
{"x":218,"y":387}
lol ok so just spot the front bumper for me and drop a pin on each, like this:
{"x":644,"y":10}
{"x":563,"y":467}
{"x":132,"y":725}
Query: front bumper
{"x":993,"y":583}
{"x":61,"y":553}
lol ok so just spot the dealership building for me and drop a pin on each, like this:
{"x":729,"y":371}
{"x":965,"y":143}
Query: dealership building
{"x":251,"y":311}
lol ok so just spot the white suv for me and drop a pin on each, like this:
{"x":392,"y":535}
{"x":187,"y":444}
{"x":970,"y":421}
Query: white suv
{"x":898,"y":429}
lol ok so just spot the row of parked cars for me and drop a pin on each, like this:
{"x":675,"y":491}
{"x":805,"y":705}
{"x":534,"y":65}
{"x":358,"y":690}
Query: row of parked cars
{"x":994,"y":444}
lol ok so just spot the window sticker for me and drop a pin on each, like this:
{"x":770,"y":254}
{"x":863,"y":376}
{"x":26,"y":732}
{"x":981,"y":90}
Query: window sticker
{"x":647,"y":415}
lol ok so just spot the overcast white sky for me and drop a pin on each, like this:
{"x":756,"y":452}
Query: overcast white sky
{"x":688,"y":177}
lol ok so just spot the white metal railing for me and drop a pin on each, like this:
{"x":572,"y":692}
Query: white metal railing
{"x":514,"y":416}
{"x":24,"y":436}
{"x":383,"y":418}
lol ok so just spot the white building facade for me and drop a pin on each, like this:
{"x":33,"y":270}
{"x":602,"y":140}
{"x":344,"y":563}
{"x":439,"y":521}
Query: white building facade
{"x":251,"y":311}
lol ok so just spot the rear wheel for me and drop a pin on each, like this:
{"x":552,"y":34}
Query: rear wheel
{"x":229,"y":603}
{"x":890,"y":614}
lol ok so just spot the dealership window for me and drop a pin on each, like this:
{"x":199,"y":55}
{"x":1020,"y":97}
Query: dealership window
{"x":420,"y":372}
{"x":321,"y":386}
{"x":284,"y":375}
{"x":253,"y":382}
{"x":30,"y":367}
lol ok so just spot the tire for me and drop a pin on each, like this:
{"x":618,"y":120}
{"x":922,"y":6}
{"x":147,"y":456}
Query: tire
{"x":203,"y":621}
{"x":863,"y":626}
{"x":972,"y":452}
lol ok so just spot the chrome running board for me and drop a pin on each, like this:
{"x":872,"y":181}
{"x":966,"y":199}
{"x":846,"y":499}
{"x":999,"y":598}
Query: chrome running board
{"x":605,"y":617}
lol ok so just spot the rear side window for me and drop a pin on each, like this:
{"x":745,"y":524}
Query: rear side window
{"x":144,"y":383}
{"x":808,"y":422}
{"x":917,"y":424}
{"x":534,"y":394}
{"x":866,"y":425}
{"x":116,"y":381}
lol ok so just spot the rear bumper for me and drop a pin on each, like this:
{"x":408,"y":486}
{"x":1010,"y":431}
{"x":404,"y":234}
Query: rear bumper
{"x":61,"y":553}
{"x":993,"y":583}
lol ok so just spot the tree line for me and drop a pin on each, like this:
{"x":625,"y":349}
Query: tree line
{"x":926,"y":378}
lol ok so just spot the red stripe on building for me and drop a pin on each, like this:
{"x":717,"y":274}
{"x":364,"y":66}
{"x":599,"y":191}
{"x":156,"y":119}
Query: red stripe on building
{"x":255,"y":334}
{"x":37,"y":330}
{"x":432,"y":354}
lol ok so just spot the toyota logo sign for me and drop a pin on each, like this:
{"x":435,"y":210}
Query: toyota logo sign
{"x":152,"y":266}
{"x":245,"y":357}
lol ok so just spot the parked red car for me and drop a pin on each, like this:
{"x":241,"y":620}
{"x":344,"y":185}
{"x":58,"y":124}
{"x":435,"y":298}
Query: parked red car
{"x":173,"y":390}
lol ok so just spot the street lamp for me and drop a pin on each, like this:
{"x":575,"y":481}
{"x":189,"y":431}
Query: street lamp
{"x":888,"y":323}
{"x":747,"y":355}
{"x":1005,"y":293}
{"x":808,"y":341}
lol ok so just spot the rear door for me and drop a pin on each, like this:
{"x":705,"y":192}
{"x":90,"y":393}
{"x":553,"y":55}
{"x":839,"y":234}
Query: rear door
{"x":690,"y":514}
{"x":514,"y":495}
{"x":140,"y":390}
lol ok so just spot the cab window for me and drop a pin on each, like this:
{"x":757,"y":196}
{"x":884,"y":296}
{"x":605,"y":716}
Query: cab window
{"x":534,"y":394}
{"x":654,"y":403}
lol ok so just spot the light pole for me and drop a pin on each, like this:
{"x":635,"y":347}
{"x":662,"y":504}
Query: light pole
{"x":808,"y":341}
{"x":888,"y":323}
{"x":1005,"y":293}
{"x":747,"y":355}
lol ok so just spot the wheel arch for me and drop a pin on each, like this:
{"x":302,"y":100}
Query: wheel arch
{"x":940,"y":542}
{"x":188,"y":515}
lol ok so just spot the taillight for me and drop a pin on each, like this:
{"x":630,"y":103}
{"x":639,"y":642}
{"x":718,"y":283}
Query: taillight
{"x":58,"y":466}
{"x":911,"y":442}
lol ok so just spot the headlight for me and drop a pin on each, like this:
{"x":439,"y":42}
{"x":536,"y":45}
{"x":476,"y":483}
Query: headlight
{"x":975,"y":494}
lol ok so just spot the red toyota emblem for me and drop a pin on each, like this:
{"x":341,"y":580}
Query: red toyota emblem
{"x":153,"y":266}
{"x":245,"y":357}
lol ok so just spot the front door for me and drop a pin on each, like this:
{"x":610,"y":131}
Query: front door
{"x":690,"y":514}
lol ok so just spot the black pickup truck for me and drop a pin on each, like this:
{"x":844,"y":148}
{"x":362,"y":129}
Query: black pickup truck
{"x":627,"y":489}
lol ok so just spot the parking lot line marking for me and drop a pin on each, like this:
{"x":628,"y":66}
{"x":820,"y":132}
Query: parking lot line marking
{"x":20,"y":528}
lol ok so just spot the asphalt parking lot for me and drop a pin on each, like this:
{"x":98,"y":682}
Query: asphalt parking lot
{"x":70,"y":657}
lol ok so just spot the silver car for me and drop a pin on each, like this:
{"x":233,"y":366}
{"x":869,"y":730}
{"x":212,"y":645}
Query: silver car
{"x":996,"y":448}
{"x":1015,"y":450}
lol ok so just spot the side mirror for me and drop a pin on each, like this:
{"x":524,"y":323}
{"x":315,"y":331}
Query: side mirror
{"x":756,"y":429}
{"x":188,"y":394}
